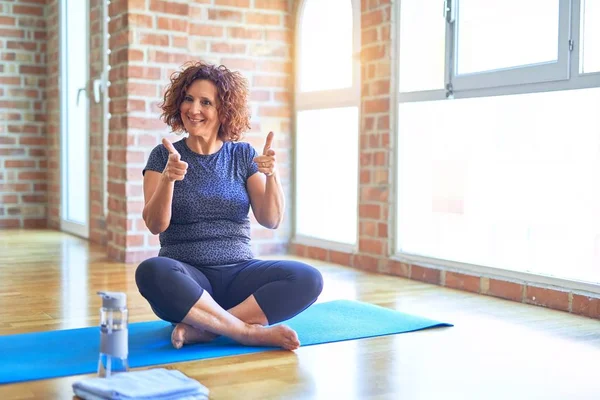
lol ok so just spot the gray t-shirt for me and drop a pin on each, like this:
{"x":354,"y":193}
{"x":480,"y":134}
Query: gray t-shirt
{"x":209,"y":214}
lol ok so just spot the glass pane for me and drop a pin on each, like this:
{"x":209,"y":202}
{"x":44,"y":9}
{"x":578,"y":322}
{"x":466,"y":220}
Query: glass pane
{"x":326,"y":45}
{"x":591,"y":35}
{"x":509,"y":184}
{"x":510,"y":33}
{"x":77,"y":110}
{"x":422,"y":45}
{"x":326,"y":187}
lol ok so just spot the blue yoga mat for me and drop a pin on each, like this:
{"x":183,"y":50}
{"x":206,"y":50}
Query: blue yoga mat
{"x":41,"y":355}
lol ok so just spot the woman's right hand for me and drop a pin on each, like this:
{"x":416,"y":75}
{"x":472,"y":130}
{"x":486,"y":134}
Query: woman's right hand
{"x":175,"y":169}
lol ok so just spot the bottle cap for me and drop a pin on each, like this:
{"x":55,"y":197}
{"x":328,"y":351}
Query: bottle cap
{"x":113,"y":299}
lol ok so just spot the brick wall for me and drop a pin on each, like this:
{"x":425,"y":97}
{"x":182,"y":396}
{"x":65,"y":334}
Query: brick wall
{"x":23,"y":76}
{"x":376,"y":204}
{"x":376,"y":147}
{"x":151,"y":39}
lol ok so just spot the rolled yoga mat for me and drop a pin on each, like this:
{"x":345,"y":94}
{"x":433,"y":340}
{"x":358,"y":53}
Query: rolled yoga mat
{"x":42,"y":355}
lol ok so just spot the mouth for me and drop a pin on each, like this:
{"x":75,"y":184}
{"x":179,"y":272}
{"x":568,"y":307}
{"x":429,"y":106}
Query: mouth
{"x":195,"y":120}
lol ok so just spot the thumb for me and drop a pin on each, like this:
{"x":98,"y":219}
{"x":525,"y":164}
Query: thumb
{"x":268,"y":143}
{"x":169,"y":146}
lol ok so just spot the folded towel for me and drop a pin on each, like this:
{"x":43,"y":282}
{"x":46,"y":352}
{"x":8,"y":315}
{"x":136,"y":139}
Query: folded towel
{"x":151,"y":384}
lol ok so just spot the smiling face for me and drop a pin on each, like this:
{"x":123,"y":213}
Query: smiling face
{"x":198,"y":109}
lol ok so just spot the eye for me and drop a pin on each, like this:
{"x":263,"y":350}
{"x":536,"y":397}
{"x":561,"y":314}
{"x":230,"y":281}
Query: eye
{"x":206,"y":103}
{"x":188,"y":98}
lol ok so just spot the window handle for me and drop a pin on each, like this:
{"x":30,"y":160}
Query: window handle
{"x":78,"y":93}
{"x":449,"y":14}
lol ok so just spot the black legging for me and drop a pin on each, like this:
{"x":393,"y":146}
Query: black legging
{"x":282,"y":288}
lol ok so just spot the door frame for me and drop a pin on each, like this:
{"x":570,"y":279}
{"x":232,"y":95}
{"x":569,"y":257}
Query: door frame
{"x":74,"y":228}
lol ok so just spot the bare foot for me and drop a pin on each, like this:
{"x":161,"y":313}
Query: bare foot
{"x":278,"y":335}
{"x":186,"y":334}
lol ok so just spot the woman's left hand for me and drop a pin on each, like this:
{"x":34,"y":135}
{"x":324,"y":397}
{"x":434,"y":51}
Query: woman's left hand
{"x":266,"y":162}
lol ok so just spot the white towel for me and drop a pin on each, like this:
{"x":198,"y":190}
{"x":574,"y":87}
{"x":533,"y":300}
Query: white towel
{"x":152,"y":384}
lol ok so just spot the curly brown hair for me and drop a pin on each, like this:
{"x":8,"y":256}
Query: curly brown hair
{"x":232,"y":92}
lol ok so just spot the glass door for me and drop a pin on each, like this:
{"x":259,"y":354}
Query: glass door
{"x":74,"y":77}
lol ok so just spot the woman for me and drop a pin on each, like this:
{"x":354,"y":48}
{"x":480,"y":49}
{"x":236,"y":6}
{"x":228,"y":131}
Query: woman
{"x":198,"y":192}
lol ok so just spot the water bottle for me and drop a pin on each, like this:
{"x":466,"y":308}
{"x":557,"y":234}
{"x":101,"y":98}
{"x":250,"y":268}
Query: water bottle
{"x":114,"y":345}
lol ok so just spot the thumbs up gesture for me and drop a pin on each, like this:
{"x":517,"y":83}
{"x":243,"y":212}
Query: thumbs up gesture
{"x":175,"y":169}
{"x":266,"y":162}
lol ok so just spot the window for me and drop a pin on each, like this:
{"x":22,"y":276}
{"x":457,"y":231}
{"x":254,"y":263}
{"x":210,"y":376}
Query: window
{"x":487,"y":53}
{"x":590,"y":49}
{"x":327,"y":122}
{"x":509,"y":166}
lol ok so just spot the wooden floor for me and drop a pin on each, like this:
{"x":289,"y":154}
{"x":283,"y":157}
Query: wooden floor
{"x":496,"y":350}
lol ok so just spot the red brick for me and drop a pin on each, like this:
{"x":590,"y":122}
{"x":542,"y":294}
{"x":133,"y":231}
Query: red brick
{"x":382,"y":230}
{"x":316,"y":253}
{"x":169,"y":7}
{"x":550,"y":298}
{"x":32,"y":175}
{"x":371,"y":18}
{"x":424,"y":274}
{"x":9,"y":223}
{"x":398,"y":268}
{"x":139,"y":21}
{"x":587,"y":306}
{"x":372,"y":53}
{"x":179,"y":41}
{"x":239,"y":63}
{"x":28,"y":10}
{"x":283,"y":97}
{"x":278,"y":36}
{"x":9,"y":199}
{"x":365,"y":177}
{"x":367,"y":228}
{"x":230,"y":48}
{"x":142,"y":89}
{"x":225,"y":15}
{"x":373,"y":194}
{"x":280,"y":5}
{"x":206,"y":30}
{"x":369,"y":211}
{"x":366,"y":262}
{"x":341,"y":258}
{"x":244,"y":33}
{"x":135,"y":71}
{"x":275,"y":111}
{"x":172,"y":24}
{"x":298,"y":249}
{"x":16,"y":33}
{"x":10,"y":21}
{"x":377,"y":106}
{"x":372,"y":246}
{"x":263,"y":19}
{"x":233,"y":3}
{"x":10,"y":80}
{"x":154,"y":39}
{"x":460,"y":281}
{"x":506,"y":290}
{"x":19,"y":163}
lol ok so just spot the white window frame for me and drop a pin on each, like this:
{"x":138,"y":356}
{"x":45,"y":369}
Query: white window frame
{"x":563,"y":75}
{"x":533,"y":73}
{"x":335,"y":98}
{"x":520,"y":81}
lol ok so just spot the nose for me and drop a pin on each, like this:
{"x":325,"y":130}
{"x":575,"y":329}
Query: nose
{"x":196,"y":107}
